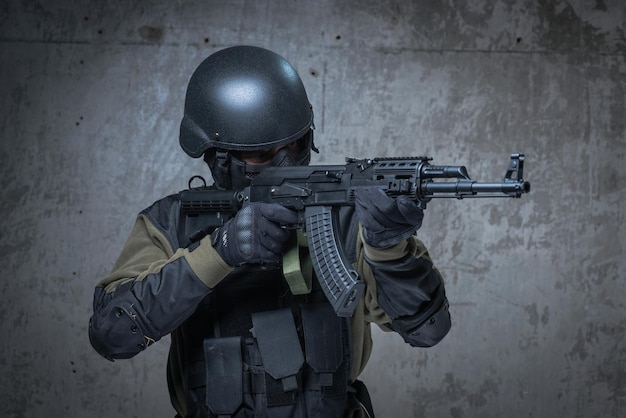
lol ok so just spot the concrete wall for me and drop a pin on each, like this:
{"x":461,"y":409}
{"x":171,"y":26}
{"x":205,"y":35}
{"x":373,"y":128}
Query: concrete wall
{"x":91,"y":98}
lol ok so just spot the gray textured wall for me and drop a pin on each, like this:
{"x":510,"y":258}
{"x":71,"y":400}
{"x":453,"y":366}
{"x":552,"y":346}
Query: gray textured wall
{"x":91,"y":98}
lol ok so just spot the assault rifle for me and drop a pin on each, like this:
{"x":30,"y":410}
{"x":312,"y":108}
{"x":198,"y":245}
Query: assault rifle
{"x":317,"y":192}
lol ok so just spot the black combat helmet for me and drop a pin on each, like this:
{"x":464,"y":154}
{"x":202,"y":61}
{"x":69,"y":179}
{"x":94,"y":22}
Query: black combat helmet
{"x":244,"y":98}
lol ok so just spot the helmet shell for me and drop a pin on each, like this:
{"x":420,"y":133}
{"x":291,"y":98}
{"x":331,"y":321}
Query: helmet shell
{"x":244,"y":98}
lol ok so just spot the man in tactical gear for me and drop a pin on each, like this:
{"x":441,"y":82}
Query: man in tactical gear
{"x":242,"y":344}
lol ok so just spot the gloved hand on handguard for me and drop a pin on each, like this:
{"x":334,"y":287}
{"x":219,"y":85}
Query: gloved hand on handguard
{"x":386,"y":221}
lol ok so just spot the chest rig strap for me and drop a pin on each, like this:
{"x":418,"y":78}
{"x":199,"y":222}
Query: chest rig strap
{"x":279,"y":345}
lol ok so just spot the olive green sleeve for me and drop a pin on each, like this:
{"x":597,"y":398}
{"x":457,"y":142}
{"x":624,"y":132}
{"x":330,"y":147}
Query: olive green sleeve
{"x":372,"y":311}
{"x":147,"y":250}
{"x":151,"y":291}
{"x":401,"y":262}
{"x":405,"y":291}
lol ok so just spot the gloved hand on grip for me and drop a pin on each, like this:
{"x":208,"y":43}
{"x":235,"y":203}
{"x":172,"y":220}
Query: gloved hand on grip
{"x":254,"y":235}
{"x":386,"y":221}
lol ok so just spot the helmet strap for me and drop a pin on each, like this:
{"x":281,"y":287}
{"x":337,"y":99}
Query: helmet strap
{"x":219,"y":164}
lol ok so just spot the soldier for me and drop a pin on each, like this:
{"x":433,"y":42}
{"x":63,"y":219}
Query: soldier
{"x":242,"y":344}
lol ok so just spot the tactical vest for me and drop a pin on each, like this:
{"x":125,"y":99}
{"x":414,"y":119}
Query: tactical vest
{"x":253,"y":349}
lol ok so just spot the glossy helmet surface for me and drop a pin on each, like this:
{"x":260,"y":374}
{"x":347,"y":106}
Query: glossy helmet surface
{"x":244,"y":98}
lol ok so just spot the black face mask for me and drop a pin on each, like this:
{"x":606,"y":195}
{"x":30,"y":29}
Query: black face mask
{"x":230,"y":172}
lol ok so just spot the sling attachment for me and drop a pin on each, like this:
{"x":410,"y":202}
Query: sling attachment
{"x":224,"y":382}
{"x":297,"y":265}
{"x":277,"y":337}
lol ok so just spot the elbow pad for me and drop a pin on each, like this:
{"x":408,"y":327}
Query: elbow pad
{"x":120,"y":330}
{"x":427,"y":333}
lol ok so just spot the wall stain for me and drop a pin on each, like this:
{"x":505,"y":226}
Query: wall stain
{"x":151,"y":33}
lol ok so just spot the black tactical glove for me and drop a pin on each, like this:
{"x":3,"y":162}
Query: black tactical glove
{"x":254,"y":235}
{"x":386,"y":221}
